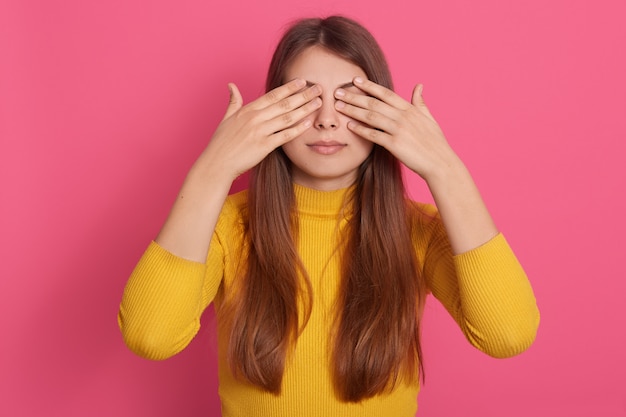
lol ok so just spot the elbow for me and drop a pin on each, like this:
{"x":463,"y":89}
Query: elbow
{"x":513,"y":340}
{"x":147,"y":346}
{"x":148,"y":342}
{"x":510,"y":346}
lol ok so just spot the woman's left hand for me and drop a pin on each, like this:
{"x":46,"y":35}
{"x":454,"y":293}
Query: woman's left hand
{"x":410,"y":132}
{"x":407,"y":130}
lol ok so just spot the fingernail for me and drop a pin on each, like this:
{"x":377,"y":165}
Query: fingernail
{"x":358,"y":80}
{"x":317,"y":102}
{"x":340,"y":104}
{"x":300,"y":82}
{"x":340,"y":92}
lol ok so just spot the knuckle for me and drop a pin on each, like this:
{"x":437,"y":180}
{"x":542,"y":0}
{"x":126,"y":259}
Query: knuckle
{"x":272,"y":96}
{"x":371,"y":116}
{"x":308,"y":94}
{"x":285,"y":104}
{"x":387,"y":93}
{"x":286,"y":135}
{"x":374,"y":134}
{"x":287,"y":118}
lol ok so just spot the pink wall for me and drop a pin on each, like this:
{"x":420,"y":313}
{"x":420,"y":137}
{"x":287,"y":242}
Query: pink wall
{"x":104,"y":105}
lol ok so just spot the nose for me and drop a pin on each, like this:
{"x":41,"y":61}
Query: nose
{"x":327,"y":117}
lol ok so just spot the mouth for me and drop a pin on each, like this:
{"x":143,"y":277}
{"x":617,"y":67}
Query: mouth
{"x":326,"y":147}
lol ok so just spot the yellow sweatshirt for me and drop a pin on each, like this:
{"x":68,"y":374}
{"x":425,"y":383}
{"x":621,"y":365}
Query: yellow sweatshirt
{"x":485,"y":290}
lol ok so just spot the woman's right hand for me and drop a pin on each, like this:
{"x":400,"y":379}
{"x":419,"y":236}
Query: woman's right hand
{"x":247,"y":134}
{"x":243,"y":138}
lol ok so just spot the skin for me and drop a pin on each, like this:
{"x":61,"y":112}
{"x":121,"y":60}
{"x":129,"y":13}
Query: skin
{"x":409,"y":132}
{"x":326,"y":156}
{"x":328,"y":99}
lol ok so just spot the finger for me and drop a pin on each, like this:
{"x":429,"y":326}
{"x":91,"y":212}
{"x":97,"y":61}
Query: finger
{"x":235,"y":102}
{"x":380,"y":92}
{"x":288,"y":104}
{"x":278,"y":94}
{"x":285,"y":120}
{"x":279,"y":138}
{"x":367,"y":102}
{"x":367,"y":116}
{"x":366,"y":132}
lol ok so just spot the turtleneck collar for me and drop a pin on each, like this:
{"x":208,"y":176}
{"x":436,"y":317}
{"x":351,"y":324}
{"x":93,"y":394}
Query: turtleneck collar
{"x":326,"y":203}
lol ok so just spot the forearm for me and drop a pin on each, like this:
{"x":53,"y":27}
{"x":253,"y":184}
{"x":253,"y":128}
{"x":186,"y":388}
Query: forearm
{"x":466,"y":219}
{"x":488,"y":292}
{"x":176,"y":278}
{"x":190,"y":225}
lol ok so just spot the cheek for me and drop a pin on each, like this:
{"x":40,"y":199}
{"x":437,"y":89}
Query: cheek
{"x":366,"y":145}
{"x":361,"y":147}
{"x":291,"y":151}
{"x":288,"y":149}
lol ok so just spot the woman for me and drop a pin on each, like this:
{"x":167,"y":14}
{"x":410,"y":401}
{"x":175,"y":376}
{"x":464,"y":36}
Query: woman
{"x":319,"y":272}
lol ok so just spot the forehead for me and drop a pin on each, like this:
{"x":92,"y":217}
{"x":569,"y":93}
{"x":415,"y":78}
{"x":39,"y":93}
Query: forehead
{"x":319,"y":65}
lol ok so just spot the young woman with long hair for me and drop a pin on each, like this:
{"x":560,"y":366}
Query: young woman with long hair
{"x":319,"y":271}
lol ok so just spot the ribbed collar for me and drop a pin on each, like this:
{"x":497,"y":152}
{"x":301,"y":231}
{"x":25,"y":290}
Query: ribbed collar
{"x":320,"y":203}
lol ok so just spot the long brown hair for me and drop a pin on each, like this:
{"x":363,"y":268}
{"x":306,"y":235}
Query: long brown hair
{"x":376,"y":341}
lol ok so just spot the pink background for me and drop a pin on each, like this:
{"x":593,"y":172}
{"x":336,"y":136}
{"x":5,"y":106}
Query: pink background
{"x":104,"y":106}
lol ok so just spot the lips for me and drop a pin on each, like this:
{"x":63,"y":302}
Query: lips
{"x":326,"y":147}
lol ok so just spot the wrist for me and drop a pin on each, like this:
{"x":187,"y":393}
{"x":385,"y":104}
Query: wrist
{"x":212,"y":171}
{"x":449,"y":170}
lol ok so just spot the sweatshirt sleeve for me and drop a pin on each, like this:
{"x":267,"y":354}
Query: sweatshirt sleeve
{"x":487,"y":293}
{"x":164,"y":299}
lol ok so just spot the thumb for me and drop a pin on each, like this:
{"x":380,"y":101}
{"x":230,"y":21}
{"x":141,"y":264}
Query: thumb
{"x":418,"y":100}
{"x":235,"y":102}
